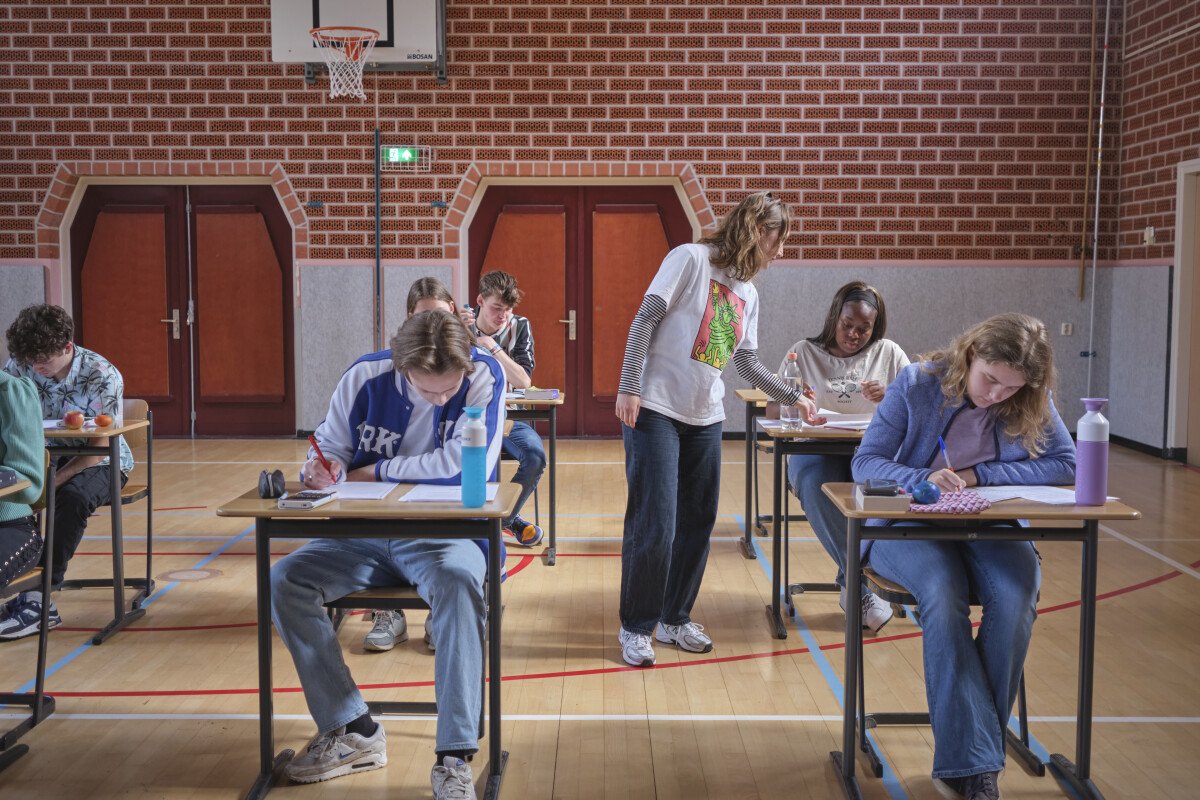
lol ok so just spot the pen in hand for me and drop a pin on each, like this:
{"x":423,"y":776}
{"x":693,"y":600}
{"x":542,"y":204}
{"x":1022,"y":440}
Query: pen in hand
{"x":941,"y":444}
{"x":321,"y":456}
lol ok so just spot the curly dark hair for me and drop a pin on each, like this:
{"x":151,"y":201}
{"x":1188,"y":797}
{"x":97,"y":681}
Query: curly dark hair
{"x":502,"y":285}
{"x":39,"y":331}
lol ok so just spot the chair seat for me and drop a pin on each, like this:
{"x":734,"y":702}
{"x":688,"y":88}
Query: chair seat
{"x":26,"y":582}
{"x":894,"y":592}
{"x":133,"y":492}
{"x":388,"y":598}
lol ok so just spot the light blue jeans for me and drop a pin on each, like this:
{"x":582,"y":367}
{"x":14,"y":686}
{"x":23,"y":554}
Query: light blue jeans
{"x":448,"y":574}
{"x":806,"y":473}
{"x":524,"y":444}
{"x":970,"y":681}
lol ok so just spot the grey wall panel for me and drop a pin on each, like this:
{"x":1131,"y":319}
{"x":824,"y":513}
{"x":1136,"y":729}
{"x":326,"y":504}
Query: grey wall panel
{"x":396,"y":282}
{"x":927,"y":307}
{"x":21,"y":285}
{"x":335,"y":329}
{"x":1138,"y":343}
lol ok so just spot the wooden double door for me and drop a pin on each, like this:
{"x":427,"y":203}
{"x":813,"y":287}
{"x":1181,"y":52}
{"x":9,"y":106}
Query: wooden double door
{"x":187,"y":290}
{"x":584,"y":256}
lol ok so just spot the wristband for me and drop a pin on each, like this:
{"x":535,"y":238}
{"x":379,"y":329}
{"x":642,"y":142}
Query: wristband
{"x":494,"y":350}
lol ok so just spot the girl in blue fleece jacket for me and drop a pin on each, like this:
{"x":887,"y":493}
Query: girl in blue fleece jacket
{"x":989,"y":396}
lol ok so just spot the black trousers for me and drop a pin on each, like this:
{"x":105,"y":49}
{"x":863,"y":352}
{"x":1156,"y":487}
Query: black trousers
{"x":20,"y":548}
{"x":74,"y":503}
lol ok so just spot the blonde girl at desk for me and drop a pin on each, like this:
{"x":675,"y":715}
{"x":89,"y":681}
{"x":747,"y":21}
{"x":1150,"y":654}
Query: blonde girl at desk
{"x":849,"y":365}
{"x":989,"y":396}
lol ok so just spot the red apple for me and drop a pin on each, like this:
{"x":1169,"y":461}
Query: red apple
{"x":103,"y":420}
{"x":73,"y":420}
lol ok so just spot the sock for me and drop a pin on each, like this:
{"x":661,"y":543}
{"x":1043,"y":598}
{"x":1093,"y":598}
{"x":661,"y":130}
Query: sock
{"x":363,"y":726}
{"x":465,"y":755}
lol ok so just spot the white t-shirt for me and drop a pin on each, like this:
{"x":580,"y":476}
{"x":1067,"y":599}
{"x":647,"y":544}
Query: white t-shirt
{"x":709,"y":316}
{"x":838,"y":381}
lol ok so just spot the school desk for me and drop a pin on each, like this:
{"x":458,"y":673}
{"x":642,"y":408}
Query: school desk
{"x":376,"y":519}
{"x":119,"y":583}
{"x":805,"y":441}
{"x":1064,"y":524}
{"x":530,"y":410}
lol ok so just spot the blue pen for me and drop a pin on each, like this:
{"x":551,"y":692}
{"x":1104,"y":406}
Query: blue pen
{"x":946,"y":458}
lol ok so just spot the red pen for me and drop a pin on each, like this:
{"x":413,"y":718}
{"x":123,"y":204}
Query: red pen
{"x":324,"y":461}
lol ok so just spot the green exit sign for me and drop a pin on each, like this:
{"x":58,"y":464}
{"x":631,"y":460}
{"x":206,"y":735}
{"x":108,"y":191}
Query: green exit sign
{"x":403,"y":158}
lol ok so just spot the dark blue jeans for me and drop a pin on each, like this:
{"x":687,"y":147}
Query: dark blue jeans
{"x":674,"y":475}
{"x":524,"y":444}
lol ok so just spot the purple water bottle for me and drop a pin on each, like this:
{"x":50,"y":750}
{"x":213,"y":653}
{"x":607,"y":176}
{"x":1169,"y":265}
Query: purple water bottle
{"x":1091,"y":454}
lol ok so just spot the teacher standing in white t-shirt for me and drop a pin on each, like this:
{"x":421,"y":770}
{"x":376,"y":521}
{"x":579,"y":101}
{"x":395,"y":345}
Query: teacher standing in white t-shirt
{"x":699,"y":314}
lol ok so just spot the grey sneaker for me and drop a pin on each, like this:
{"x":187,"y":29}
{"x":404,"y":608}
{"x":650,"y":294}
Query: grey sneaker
{"x":452,"y":780}
{"x":636,"y":648}
{"x":338,"y":753}
{"x":688,"y":636}
{"x":389,"y":630}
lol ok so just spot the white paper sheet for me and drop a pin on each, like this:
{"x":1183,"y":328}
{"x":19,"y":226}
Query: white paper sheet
{"x":1050,"y":495}
{"x":363,"y":490}
{"x":57,"y":425}
{"x":430,"y":493}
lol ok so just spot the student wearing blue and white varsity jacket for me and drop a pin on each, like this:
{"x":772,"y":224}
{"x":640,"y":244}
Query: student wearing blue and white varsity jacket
{"x":394,"y":416}
{"x":989,"y":396}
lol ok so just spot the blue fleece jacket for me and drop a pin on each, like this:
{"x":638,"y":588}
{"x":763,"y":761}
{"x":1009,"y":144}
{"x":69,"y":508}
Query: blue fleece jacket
{"x":902,"y":441}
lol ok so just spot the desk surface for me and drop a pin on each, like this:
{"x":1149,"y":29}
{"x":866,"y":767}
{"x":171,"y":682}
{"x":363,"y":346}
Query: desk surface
{"x":810,"y":433}
{"x":14,"y":488}
{"x":390,"y":507}
{"x":752,"y":395}
{"x":521,"y":401}
{"x":95,"y":433}
{"x":842,"y":495}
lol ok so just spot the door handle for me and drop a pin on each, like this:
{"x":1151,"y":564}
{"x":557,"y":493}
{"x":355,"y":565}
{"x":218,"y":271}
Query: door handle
{"x":174,"y":320}
{"x":570,"y":322}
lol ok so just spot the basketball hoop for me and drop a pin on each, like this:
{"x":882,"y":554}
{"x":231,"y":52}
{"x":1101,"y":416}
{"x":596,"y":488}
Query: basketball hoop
{"x":345,"y":50}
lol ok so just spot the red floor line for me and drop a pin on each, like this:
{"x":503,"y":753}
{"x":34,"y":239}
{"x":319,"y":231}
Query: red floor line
{"x":183,"y":508}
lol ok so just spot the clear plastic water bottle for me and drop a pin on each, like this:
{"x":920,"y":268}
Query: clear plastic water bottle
{"x":790,"y":416}
{"x":474,"y":459}
{"x":1091,"y":454}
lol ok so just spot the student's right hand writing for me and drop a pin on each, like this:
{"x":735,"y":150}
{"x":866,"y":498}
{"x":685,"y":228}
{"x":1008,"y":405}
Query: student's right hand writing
{"x":315,"y":476}
{"x":628,"y":406}
{"x":947,"y":480}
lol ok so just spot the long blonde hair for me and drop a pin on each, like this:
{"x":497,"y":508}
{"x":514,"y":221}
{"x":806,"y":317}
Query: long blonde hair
{"x":736,"y":242}
{"x":1018,"y":341}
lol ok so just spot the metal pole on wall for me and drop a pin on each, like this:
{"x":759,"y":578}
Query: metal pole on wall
{"x":1091,"y":351}
{"x":378,"y":322}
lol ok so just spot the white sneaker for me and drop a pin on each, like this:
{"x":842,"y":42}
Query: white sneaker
{"x":876,"y":612}
{"x":389,"y":630}
{"x":452,"y":780}
{"x":338,"y":753}
{"x":688,"y":636}
{"x":636,"y":648}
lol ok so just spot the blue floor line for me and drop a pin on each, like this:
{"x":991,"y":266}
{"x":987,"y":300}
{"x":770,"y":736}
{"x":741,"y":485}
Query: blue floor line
{"x":78,"y":651}
{"x":891,"y":782}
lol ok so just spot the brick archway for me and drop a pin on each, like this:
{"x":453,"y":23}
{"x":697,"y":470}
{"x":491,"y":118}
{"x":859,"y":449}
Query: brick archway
{"x":67,"y":176}
{"x":456,"y":217}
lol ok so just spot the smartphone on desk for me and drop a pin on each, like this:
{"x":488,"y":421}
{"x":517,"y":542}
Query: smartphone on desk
{"x":307,"y":499}
{"x":880,"y":487}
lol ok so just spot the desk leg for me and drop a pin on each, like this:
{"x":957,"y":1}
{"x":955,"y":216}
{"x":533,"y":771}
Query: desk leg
{"x":552,"y":553}
{"x":270,"y":766}
{"x":1078,"y":775}
{"x":121,"y":617}
{"x":497,"y":758}
{"x":774,"y":616}
{"x":844,"y":759}
{"x":746,"y":543}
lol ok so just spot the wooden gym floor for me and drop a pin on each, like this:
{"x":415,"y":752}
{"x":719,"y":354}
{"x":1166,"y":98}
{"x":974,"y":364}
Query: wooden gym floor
{"x":167,"y":709}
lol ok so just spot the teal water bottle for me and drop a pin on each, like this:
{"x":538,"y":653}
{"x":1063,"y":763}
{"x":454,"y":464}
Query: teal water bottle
{"x":474,"y":459}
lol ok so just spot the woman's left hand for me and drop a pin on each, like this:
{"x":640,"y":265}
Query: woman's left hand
{"x":873,"y":391}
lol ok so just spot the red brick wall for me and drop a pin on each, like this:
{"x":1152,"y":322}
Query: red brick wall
{"x":1160,"y":104}
{"x":901,"y":130}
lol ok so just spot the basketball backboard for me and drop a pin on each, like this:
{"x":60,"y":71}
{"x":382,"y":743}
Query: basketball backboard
{"x":411,"y":32}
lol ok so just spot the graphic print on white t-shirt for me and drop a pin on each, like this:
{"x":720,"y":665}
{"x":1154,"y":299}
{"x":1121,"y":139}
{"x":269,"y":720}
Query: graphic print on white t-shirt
{"x":721,"y":327}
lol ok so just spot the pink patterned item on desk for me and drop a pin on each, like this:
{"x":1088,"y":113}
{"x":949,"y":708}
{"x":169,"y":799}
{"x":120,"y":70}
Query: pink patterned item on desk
{"x":965,"y":502}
